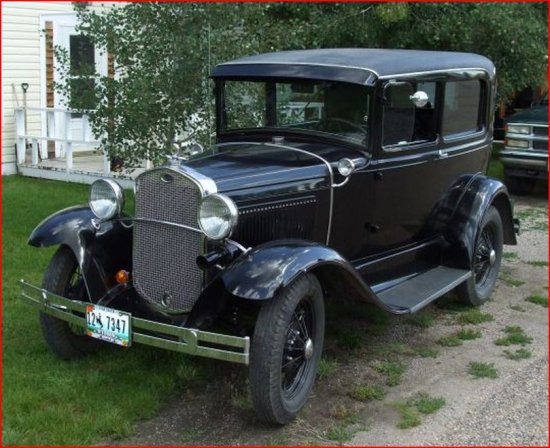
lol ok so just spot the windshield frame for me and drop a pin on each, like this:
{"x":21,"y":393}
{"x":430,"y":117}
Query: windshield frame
{"x":270,"y":109}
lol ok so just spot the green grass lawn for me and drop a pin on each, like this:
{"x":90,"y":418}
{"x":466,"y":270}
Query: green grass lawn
{"x":47,"y":401}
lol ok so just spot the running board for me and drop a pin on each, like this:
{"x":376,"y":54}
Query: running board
{"x":417,"y":292}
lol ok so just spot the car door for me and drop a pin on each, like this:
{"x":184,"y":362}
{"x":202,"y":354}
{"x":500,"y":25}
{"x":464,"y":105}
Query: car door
{"x":416,"y":164}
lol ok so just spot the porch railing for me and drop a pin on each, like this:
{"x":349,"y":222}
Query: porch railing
{"x":56,"y":126}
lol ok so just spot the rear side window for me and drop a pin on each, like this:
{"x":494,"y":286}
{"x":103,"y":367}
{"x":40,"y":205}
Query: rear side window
{"x":461,"y":112}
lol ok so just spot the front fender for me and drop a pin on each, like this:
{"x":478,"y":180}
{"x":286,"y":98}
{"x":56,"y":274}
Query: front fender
{"x":264,"y":271}
{"x":99,"y":252}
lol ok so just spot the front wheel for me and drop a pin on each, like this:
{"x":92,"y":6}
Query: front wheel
{"x":286,"y":348}
{"x":63,"y":277}
{"x":487,"y":257}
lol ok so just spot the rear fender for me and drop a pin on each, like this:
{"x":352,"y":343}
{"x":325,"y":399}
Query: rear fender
{"x":461,"y":211}
{"x":99,"y":252}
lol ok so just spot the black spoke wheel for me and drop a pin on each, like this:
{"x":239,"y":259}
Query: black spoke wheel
{"x":286,"y":348}
{"x":486,"y":259}
{"x":63,"y":277}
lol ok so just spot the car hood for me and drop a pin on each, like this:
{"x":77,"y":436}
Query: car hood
{"x":249,"y":165}
{"x":537,"y":114}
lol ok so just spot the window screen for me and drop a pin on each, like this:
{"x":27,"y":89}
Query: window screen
{"x":461,"y":109}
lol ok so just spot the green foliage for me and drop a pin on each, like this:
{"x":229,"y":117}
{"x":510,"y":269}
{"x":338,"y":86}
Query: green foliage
{"x":482,"y":370}
{"x":520,"y":353}
{"x":163,"y":53}
{"x":367,"y":393}
{"x":467,"y":334}
{"x":514,"y":336}
{"x":327,"y":368}
{"x":426,"y":352}
{"x":425,"y":404}
{"x":474,"y":316}
{"x":422,"y":320}
{"x":393,"y":371}
{"x":538,"y":299}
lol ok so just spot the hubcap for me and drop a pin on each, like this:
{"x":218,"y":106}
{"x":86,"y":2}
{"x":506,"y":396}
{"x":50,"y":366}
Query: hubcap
{"x":492,"y":257}
{"x":308,"y":349}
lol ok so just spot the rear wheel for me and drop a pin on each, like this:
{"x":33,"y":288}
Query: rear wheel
{"x":63,"y":277}
{"x":286,"y":348}
{"x":486,"y":260}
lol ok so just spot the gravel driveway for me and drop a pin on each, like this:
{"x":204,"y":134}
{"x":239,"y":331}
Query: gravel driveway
{"x":510,"y":410}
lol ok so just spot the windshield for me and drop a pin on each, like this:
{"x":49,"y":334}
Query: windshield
{"x":335,"y":109}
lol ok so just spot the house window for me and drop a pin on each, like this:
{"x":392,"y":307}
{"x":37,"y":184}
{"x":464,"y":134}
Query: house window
{"x":82,"y":69}
{"x":461,"y":108}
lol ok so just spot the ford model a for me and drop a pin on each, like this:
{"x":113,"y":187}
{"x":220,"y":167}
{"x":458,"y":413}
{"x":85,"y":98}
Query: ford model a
{"x":348,"y":174}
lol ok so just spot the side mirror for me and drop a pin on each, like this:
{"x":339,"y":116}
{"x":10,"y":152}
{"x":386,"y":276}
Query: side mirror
{"x":419,"y":98}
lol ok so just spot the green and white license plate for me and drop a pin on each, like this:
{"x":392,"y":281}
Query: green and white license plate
{"x":108,"y":325}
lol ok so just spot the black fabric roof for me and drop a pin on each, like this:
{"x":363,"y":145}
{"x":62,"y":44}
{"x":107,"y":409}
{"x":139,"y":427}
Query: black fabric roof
{"x":357,"y":65}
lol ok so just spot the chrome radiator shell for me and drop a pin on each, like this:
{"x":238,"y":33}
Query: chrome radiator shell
{"x":164,"y":269}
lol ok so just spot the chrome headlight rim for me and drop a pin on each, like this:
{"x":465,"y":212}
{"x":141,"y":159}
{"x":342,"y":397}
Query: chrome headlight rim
{"x":118,"y":202}
{"x":233,"y":213}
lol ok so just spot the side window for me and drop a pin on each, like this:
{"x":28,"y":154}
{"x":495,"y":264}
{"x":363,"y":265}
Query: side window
{"x":403,"y":123}
{"x":461,"y":107}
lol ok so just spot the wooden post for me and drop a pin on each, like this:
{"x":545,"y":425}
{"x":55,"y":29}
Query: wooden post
{"x":20,"y":134}
{"x":34,"y":151}
{"x":69,"y":154}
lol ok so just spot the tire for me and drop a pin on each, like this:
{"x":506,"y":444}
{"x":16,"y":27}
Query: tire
{"x":279,"y":390}
{"x":519,"y":185}
{"x":486,"y":260}
{"x":63,"y":277}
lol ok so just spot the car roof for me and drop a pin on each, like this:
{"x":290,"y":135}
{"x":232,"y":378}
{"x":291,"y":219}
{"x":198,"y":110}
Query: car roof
{"x":357,"y":65}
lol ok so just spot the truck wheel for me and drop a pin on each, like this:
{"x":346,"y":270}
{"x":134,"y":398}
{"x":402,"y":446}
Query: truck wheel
{"x":486,"y":260}
{"x":63,"y":277}
{"x":286,"y":347}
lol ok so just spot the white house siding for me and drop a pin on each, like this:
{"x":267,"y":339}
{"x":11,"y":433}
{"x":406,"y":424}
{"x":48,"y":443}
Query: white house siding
{"x":21,"y":62}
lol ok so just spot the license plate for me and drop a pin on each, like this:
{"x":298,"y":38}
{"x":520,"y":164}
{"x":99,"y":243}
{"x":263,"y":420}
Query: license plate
{"x":108,"y":325}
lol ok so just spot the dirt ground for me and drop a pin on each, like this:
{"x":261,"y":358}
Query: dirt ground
{"x":366,"y":347}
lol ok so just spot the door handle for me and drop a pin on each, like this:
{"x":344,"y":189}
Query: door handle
{"x":442,"y":154}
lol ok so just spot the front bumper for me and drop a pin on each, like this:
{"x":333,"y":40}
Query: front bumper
{"x":170,"y":337}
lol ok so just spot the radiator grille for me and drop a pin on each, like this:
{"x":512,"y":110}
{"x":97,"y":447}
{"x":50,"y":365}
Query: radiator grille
{"x":164,"y":267}
{"x":540,"y":145}
{"x":540,"y":130}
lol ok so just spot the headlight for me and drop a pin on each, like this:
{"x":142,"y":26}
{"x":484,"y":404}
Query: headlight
{"x":106,"y":198}
{"x":217,"y":216}
{"x":515,"y":129}
{"x":518,"y":143}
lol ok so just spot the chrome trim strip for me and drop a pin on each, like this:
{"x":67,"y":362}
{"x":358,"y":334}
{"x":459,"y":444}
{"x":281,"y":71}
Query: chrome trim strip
{"x":435,"y":72}
{"x":536,"y":125}
{"x":205,"y":184}
{"x":303,"y":151}
{"x":169,"y":337}
{"x":158,"y":221}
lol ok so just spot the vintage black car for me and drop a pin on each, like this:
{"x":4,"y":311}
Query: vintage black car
{"x":338,"y":175}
